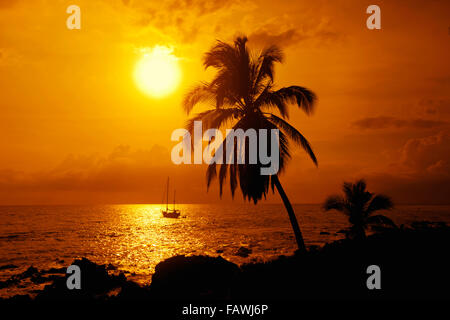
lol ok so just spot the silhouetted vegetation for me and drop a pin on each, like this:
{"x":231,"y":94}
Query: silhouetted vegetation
{"x":359,"y":205}
{"x":243,"y":94}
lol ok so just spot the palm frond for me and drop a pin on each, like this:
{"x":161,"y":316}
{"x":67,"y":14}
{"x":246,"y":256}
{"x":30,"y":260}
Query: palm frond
{"x":205,"y":117}
{"x":267,"y":59}
{"x":379,"y":202}
{"x":200,"y":93}
{"x":284,"y":153}
{"x":211,"y":174}
{"x":224,"y":116}
{"x":226,"y":88}
{"x":295,"y":135}
{"x":268,"y":99}
{"x":220,"y":55}
{"x":353,"y":191}
{"x":381,"y":220}
{"x":233,"y":178}
{"x":213,"y":118}
{"x":303,"y":97}
{"x":283,"y":142}
{"x":334,"y":203}
{"x":222,"y":176}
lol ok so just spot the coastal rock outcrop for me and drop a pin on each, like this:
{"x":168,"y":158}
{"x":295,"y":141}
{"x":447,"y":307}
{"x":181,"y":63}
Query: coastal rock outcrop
{"x":196,"y":277}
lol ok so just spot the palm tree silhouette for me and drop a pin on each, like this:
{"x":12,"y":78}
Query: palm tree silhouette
{"x":359,"y":205}
{"x":242,"y":94}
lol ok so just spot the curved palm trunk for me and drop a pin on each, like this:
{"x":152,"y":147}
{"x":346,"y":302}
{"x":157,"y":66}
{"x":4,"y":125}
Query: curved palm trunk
{"x":291,"y":213}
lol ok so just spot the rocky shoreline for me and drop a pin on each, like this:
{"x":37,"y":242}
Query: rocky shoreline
{"x":413,"y":262}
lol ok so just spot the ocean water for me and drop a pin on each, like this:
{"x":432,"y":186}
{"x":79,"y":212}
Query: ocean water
{"x":136,"y":237}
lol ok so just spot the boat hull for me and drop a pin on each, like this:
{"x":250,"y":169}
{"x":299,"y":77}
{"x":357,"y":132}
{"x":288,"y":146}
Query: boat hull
{"x":171,"y":214}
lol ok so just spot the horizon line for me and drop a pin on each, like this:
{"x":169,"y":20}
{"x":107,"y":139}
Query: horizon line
{"x":191,"y":203}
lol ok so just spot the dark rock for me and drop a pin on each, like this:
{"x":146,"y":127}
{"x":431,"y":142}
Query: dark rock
{"x":132,"y":291}
{"x":16,"y":279}
{"x":61,"y":270}
{"x":39,"y":279}
{"x":17,"y":299}
{"x":324,"y":232}
{"x":243,"y":252}
{"x":29,"y":272}
{"x":8,"y":266}
{"x":96,"y":283}
{"x":424,"y":225}
{"x":8,"y":283}
{"x":110,"y":267}
{"x":194,"y":277}
{"x":219,"y":251}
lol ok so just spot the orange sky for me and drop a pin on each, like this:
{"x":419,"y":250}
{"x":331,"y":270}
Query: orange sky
{"x":74,"y":128}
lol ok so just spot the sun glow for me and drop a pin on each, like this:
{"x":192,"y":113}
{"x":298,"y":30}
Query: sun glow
{"x":157,"y":73}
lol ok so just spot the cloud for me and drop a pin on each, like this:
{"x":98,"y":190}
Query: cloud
{"x":419,"y":172}
{"x":435,"y":106}
{"x":272,"y":33}
{"x":200,"y":7}
{"x":284,"y":38}
{"x":187,"y":20}
{"x":427,"y":155}
{"x":411,"y":190}
{"x":122,"y":176}
{"x":181,"y":20}
{"x":383,"y":122}
{"x":441,"y":80}
{"x":5,"y":4}
{"x":122,"y":170}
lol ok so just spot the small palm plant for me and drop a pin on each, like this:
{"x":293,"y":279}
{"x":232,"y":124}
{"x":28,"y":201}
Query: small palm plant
{"x":359,"y":205}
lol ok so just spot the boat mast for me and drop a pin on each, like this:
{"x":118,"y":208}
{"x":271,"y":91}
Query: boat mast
{"x":174,"y":200}
{"x":167,"y":194}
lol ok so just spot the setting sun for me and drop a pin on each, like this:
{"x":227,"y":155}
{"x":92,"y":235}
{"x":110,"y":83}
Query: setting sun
{"x":157,"y":73}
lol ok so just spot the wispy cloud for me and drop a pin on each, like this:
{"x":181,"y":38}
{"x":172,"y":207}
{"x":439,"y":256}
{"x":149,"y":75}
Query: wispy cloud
{"x":182,"y":20}
{"x":289,"y":34}
{"x":383,"y":122}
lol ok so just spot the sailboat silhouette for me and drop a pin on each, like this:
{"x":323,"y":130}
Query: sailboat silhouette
{"x":170,"y":213}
